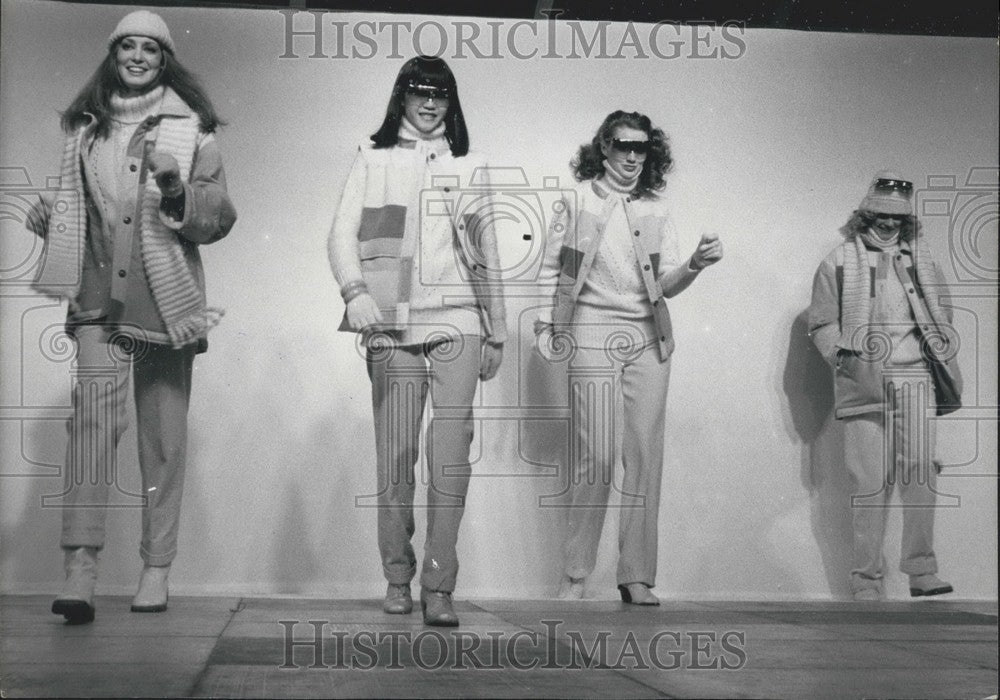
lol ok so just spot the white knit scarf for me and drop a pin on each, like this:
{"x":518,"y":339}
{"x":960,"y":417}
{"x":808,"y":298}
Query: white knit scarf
{"x":856,"y":293}
{"x":178,"y":298}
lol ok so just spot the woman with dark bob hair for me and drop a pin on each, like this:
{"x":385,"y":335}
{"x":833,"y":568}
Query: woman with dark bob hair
{"x":611,"y":261}
{"x":421,"y":287}
{"x":142,"y":187}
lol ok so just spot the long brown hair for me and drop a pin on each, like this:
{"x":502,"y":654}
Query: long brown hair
{"x":95,"y":97}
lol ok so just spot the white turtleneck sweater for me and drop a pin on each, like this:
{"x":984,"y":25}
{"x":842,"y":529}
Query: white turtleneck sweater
{"x":108,"y":156}
{"x":613,"y":297}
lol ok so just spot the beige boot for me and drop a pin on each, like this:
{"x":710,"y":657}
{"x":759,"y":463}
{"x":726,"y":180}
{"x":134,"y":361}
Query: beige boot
{"x":571,"y":588}
{"x":76,"y":602}
{"x":398,"y":600}
{"x":437,"y":608}
{"x":152,"y":594}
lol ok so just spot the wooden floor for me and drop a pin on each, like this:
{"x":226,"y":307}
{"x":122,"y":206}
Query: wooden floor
{"x":218,"y":647}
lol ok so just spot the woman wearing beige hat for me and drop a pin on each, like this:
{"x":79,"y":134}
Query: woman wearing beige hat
{"x":142,"y":187}
{"x":879,"y":315}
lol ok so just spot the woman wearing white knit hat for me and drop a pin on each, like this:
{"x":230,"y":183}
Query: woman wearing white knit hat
{"x":142,"y":186}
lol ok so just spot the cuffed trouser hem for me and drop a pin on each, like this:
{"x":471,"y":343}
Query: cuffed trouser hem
{"x":84,"y":539}
{"x":401,"y":381}
{"x":397,"y":577}
{"x":162,"y":379}
{"x":860,"y":582}
{"x":438,"y":582}
{"x":919,"y":566}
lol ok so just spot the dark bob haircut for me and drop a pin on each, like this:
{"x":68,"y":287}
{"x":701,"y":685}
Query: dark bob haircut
{"x":588,"y":164}
{"x":425,"y":70}
{"x":95,"y":97}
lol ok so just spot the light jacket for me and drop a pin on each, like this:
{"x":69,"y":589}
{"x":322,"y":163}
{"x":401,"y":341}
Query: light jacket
{"x":574,"y":238}
{"x":114,"y":286}
{"x":393,"y":197}
{"x":859,"y":371}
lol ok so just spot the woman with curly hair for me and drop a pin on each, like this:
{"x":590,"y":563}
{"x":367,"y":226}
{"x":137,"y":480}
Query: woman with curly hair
{"x":142,"y":187}
{"x":611,"y":260}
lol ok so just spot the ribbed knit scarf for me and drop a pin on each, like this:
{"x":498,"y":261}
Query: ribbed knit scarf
{"x":175,"y":291}
{"x":615,"y":182}
{"x":856,"y":293}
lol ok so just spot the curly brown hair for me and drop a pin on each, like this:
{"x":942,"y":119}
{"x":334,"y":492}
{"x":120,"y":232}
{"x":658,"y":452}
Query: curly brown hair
{"x":862,"y":219}
{"x":588,"y":164}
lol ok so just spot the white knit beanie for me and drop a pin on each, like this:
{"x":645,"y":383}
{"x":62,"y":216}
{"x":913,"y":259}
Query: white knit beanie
{"x":143,"y":23}
{"x":888,"y":200}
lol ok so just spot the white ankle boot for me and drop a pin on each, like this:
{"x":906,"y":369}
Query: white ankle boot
{"x":76,"y":602}
{"x":571,"y":588}
{"x":152,"y":594}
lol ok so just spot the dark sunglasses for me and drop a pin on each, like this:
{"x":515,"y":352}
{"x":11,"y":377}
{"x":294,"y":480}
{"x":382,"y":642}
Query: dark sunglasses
{"x":426,"y":92}
{"x":640,"y":148}
{"x":883,"y":183}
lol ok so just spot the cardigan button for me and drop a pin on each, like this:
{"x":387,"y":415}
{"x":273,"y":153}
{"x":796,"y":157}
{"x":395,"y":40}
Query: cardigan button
{"x":121,"y":273}
{"x":447,"y":189}
{"x":433,"y":156}
{"x":127,"y":219}
{"x":637,"y":233}
{"x":133,"y":167}
{"x":645,"y":267}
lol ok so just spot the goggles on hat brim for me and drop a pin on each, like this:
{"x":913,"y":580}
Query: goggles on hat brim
{"x":893,"y":185}
{"x":426,"y":91}
{"x":640,"y":148}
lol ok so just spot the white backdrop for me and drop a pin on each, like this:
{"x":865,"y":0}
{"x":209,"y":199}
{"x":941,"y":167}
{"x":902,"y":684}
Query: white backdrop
{"x":774,"y":149}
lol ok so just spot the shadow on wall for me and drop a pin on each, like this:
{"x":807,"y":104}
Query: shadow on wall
{"x":808,"y":385}
{"x":544,"y":444}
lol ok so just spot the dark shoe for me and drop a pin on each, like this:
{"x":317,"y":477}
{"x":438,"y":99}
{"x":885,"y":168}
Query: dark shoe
{"x":398,"y":600}
{"x":437,"y":608}
{"x":637,"y":594}
{"x":928,"y":584}
{"x":76,"y":612}
{"x":76,"y":602}
{"x":152,"y":594}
